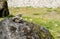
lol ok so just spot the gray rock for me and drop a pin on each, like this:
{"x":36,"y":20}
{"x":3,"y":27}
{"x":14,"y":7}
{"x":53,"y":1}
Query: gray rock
{"x":10,"y":29}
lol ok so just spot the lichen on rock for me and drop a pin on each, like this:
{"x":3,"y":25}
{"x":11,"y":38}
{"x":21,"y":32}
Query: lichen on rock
{"x":21,"y":29}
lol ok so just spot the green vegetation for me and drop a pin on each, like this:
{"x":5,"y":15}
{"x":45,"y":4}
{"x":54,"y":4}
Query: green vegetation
{"x":52,"y":25}
{"x":46,"y":17}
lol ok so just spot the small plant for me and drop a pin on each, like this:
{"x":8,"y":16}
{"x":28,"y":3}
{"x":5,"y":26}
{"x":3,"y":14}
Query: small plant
{"x":10,"y":16}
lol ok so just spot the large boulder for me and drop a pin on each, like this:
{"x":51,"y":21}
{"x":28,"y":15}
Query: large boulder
{"x":18,"y":28}
{"x":4,"y":8}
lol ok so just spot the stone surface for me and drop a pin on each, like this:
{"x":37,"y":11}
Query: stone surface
{"x":4,"y":8}
{"x":11,"y":29}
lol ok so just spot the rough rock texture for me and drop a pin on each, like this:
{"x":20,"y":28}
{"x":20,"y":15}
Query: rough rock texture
{"x":4,"y":8}
{"x":17,"y":28}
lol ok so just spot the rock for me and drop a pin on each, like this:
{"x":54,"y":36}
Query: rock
{"x":10,"y":29}
{"x":4,"y":11}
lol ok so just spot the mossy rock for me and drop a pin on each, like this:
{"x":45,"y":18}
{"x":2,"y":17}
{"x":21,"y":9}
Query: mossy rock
{"x":4,"y":11}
